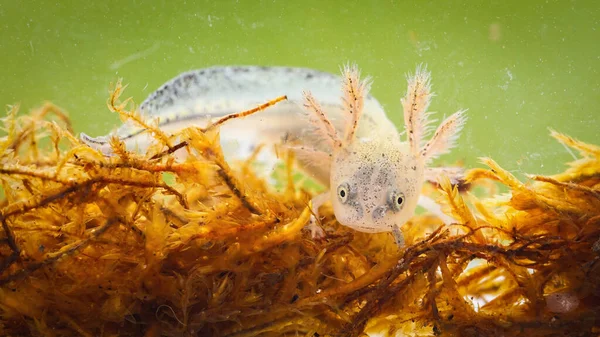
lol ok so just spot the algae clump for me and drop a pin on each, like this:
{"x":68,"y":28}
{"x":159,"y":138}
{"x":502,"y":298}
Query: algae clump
{"x":150,"y":244}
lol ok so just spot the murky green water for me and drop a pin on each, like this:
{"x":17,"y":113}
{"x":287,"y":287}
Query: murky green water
{"x":519,"y":66}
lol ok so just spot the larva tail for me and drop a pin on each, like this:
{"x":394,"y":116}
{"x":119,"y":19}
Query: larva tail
{"x":101,"y":143}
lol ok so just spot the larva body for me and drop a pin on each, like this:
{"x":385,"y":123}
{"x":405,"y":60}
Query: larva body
{"x":340,"y":133}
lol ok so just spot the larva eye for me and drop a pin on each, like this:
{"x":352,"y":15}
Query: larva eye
{"x":343,"y":192}
{"x":395,"y":200}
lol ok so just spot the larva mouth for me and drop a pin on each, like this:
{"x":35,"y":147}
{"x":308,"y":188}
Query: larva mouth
{"x":366,"y":229}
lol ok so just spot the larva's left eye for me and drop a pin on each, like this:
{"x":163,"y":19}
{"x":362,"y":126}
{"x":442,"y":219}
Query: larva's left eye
{"x":343,"y":192}
{"x":395,"y":200}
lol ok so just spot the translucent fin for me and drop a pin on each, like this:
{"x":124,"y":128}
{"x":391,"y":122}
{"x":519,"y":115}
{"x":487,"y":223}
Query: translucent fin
{"x":222,"y":90}
{"x":196,"y":97}
{"x":99,"y":143}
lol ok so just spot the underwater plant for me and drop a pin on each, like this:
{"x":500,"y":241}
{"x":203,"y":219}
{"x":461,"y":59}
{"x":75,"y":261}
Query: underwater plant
{"x":148,"y":244}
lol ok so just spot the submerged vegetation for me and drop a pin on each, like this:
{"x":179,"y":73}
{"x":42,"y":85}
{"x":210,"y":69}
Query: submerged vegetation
{"x":149,"y":245}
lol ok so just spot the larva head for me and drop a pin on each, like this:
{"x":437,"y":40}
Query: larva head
{"x":375,"y":185}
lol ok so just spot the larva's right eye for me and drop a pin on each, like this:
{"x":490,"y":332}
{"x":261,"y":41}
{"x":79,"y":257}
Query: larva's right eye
{"x":343,"y":192}
{"x":396,"y":200}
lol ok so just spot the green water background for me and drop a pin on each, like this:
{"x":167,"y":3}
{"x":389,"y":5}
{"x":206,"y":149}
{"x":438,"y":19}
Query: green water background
{"x":518,"y":66}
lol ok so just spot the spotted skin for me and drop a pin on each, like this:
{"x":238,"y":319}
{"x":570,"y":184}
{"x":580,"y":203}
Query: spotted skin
{"x":376,"y":181}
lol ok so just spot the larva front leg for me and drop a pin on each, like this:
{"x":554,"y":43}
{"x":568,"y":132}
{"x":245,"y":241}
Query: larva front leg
{"x":398,"y":236}
{"x":318,"y":162}
{"x":315,"y":230}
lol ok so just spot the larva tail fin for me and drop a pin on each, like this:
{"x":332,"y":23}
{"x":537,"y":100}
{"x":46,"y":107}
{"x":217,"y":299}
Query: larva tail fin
{"x":100,"y":143}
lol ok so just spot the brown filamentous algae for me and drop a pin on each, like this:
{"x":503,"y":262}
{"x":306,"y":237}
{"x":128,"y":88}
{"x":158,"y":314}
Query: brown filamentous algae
{"x":148,"y":245}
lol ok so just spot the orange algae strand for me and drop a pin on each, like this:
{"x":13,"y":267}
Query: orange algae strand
{"x":93,"y":245}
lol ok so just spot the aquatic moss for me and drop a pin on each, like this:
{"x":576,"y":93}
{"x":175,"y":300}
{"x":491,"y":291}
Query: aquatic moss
{"x":149,"y":244}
